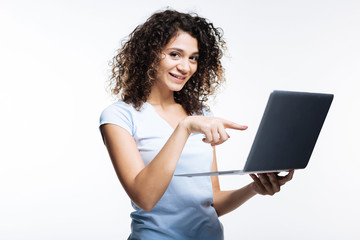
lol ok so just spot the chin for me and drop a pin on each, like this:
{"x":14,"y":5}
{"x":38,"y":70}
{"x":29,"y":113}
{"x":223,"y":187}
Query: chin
{"x":176,"y":88}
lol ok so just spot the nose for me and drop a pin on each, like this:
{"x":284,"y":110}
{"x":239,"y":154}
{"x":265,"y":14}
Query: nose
{"x":184,"y":66}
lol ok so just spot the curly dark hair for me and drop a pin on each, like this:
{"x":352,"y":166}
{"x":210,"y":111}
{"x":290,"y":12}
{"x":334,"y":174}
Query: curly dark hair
{"x":134,"y":67}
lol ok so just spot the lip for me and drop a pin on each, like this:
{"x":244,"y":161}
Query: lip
{"x":177,"y":77}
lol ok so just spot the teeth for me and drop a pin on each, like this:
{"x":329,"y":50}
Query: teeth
{"x":182,"y":78}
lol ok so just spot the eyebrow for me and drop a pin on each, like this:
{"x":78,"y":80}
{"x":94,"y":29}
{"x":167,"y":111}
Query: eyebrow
{"x":181,"y":50}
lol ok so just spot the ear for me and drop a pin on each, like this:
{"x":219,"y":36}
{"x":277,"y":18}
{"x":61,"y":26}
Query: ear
{"x":162,"y":56}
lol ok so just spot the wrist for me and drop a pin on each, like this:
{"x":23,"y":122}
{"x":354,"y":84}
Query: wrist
{"x":251,"y":189}
{"x":184,"y":125}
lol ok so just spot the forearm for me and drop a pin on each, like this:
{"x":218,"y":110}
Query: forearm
{"x":227,"y":201}
{"x":152,"y":181}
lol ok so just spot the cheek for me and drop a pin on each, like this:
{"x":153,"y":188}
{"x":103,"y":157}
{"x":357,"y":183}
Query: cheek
{"x":161,"y":68}
{"x":194,"y":69}
{"x":166,"y":64}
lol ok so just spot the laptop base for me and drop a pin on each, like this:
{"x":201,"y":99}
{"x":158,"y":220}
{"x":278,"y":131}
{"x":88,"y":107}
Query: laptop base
{"x":230,"y":172}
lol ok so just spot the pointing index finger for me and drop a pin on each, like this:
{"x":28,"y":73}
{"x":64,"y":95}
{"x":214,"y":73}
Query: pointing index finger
{"x":232,"y":125}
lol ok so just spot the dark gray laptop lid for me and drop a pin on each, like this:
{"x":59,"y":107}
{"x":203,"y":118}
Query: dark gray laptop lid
{"x":288,"y":131}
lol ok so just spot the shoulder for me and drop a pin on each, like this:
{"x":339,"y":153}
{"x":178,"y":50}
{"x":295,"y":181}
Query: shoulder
{"x":119,"y":113}
{"x":118,"y":106}
{"x":115,"y":110}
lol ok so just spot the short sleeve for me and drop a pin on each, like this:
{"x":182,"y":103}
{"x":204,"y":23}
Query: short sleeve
{"x":207,"y":113}
{"x":119,"y":114}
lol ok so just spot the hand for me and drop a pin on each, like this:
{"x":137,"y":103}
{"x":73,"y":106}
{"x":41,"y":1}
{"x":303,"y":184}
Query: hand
{"x":212,"y":127}
{"x":269,"y":183}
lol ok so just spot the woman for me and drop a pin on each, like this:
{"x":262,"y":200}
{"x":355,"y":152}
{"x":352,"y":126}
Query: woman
{"x":161,"y":126}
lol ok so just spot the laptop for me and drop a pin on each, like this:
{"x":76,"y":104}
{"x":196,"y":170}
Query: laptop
{"x":287,"y":133}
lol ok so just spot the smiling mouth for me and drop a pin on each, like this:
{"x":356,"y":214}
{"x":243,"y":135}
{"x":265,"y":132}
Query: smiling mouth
{"x":177,"y":76}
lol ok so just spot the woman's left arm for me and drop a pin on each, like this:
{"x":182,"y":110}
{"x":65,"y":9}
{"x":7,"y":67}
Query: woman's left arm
{"x":264,"y":184}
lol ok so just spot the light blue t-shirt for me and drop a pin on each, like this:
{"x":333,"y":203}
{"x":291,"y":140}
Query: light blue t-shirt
{"x":184,"y":211}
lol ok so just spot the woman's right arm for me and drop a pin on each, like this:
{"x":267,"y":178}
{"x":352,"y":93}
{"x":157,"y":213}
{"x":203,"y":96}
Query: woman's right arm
{"x":145,"y":185}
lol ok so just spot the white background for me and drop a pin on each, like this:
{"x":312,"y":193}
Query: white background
{"x":56,"y":179}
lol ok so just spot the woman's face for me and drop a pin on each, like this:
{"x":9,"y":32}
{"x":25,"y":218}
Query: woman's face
{"x":178,"y":62}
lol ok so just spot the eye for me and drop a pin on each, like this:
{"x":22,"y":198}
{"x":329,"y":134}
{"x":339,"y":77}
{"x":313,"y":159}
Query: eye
{"x":174,"y":55}
{"x":194,"y":58}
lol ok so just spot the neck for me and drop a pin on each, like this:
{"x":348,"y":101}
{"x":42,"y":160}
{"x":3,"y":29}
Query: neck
{"x":158,"y":97}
